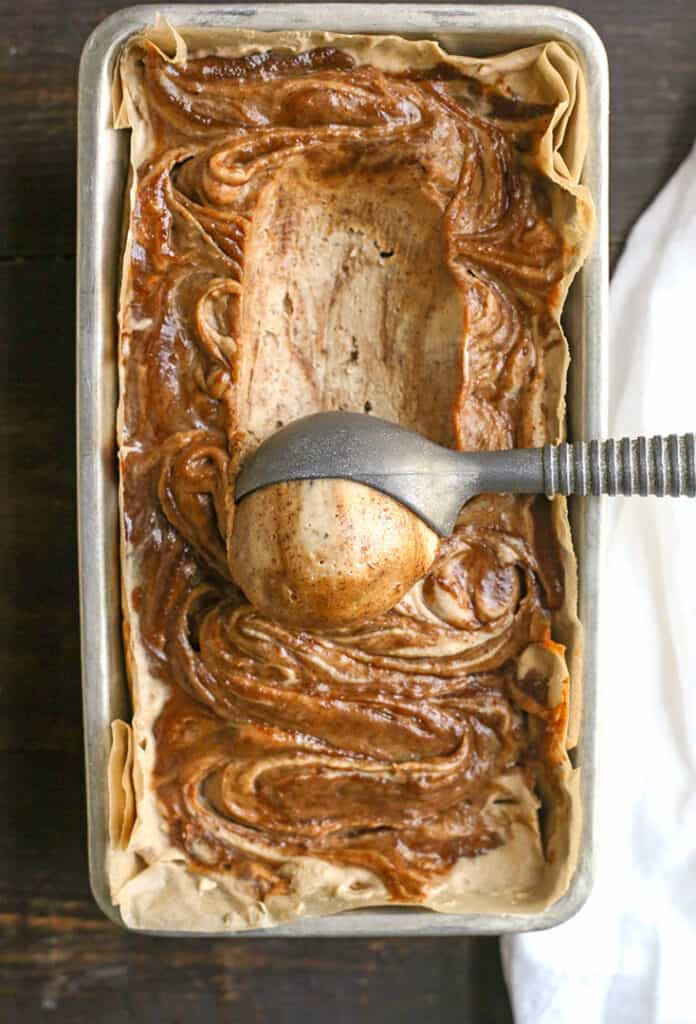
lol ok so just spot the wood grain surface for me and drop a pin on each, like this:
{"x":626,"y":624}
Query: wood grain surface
{"x":59,"y":958}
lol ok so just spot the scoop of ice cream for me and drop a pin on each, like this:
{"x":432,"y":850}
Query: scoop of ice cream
{"x":326,"y":553}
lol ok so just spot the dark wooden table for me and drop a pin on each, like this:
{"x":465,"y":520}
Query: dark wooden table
{"x":59,"y":958}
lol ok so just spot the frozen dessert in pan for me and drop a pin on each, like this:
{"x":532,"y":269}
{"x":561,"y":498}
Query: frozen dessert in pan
{"x":321,"y":222}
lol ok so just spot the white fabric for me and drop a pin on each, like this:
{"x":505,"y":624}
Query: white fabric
{"x":629,"y":956}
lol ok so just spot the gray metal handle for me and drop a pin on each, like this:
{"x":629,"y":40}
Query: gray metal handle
{"x":640,"y":465}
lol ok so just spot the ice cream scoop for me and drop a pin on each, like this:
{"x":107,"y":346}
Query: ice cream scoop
{"x":338,"y":512}
{"x":434,"y":482}
{"x":326,"y":554}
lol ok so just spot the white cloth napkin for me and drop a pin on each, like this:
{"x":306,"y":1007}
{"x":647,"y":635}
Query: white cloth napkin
{"x":630,"y":954}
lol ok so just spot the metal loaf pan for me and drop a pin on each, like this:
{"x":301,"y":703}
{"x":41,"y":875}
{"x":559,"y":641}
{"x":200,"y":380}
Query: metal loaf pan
{"x":102,"y":170}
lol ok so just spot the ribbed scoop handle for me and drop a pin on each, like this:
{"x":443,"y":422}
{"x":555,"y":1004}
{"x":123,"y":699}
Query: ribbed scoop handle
{"x":663,"y":466}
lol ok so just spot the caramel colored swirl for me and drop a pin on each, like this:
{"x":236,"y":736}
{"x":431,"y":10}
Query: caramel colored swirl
{"x":308,"y":234}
